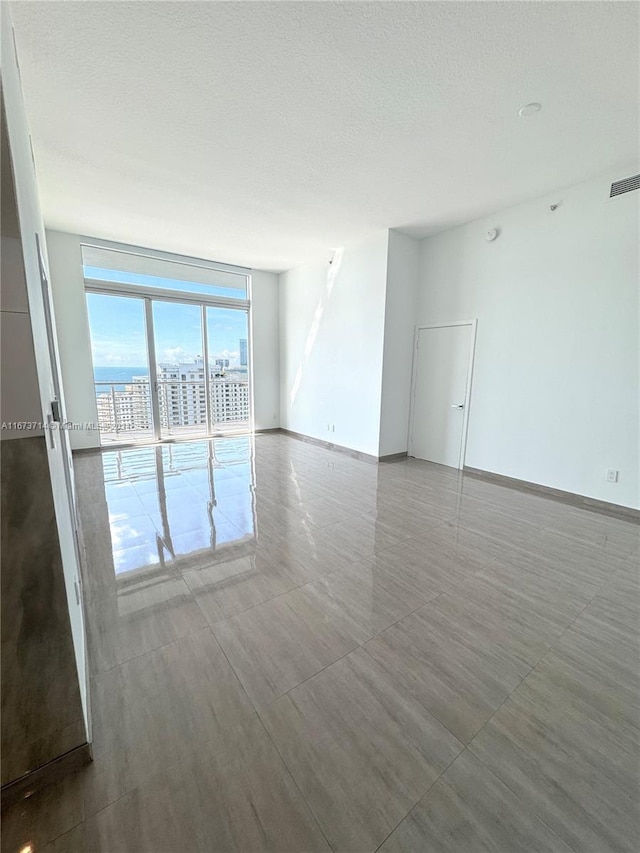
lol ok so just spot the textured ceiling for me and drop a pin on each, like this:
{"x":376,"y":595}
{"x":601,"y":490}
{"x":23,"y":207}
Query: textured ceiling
{"x":266,"y":133}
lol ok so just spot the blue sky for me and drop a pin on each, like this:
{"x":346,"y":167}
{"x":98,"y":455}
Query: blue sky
{"x":118,"y":330}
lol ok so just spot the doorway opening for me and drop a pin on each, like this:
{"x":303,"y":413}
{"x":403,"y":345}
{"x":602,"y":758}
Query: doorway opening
{"x":171,"y":346}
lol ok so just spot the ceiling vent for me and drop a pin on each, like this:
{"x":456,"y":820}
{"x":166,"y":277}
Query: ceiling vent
{"x":625,"y":186}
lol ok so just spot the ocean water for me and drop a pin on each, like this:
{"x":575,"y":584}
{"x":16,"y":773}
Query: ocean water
{"x":118,"y":374}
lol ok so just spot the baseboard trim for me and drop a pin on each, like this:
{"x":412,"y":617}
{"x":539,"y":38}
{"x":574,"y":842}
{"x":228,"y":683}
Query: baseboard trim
{"x":393,"y":457}
{"x":581,"y":501}
{"x":49,"y":773}
{"x":327,"y":445}
{"x":340,"y":448}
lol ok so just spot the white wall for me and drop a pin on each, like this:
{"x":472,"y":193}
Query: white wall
{"x":75,"y":342}
{"x":556,"y":381}
{"x":265,"y":323}
{"x":332,"y":331}
{"x":403,"y":268}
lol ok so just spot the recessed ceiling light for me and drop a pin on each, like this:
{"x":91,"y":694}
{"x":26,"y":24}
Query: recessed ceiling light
{"x":530,"y":109}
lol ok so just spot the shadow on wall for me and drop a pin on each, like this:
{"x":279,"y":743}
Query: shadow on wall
{"x":332,"y":273}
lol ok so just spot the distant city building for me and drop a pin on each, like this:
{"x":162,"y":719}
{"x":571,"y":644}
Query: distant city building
{"x":181,"y":398}
{"x":124,"y":410}
{"x":243,"y":352}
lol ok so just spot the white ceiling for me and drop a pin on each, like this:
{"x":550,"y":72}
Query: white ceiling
{"x":266,"y":133}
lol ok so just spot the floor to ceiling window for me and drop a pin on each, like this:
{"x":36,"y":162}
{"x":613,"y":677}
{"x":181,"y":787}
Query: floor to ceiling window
{"x":170,"y":344}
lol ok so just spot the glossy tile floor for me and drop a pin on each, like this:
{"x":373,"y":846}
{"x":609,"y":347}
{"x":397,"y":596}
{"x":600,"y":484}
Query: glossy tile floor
{"x":292,"y":650}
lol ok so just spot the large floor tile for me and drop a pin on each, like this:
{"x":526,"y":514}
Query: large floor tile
{"x":572,"y":759}
{"x":407,"y":513}
{"x":469,"y":810}
{"x":363,"y":536}
{"x":466,"y":549}
{"x":99,"y":561}
{"x":230,"y":587}
{"x":156,"y":709}
{"x":278,"y":644}
{"x":413,"y":571}
{"x":308,"y":554}
{"x":324,"y":511}
{"x":569,"y":682}
{"x":610,"y":651}
{"x":501,"y":524}
{"x":366,"y":598}
{"x":234,"y":794}
{"x":581,"y":560}
{"x":613,"y":625}
{"x":151,"y":610}
{"x":516,"y":616}
{"x":440,"y":557}
{"x":361,"y":749}
{"x":536,"y":509}
{"x":551,"y":579}
{"x":449,"y":665}
{"x":624,"y":587}
{"x":602,"y":533}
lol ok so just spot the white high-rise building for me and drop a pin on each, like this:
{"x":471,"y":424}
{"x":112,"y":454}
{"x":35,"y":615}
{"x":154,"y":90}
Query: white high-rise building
{"x":181,"y":398}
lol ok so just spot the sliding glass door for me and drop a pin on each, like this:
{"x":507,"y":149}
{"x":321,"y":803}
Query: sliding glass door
{"x":167,"y":369}
{"x":121,"y":376}
{"x":180,"y":379}
{"x":227,"y":348}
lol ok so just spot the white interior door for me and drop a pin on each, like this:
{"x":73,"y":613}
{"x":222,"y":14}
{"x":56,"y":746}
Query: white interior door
{"x":44,"y":337}
{"x":440,"y":394}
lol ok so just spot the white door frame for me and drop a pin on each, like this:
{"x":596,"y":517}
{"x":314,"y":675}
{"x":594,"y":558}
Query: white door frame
{"x":467,"y":390}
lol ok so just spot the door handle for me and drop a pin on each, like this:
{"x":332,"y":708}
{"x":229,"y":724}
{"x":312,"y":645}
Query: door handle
{"x":457,"y":406}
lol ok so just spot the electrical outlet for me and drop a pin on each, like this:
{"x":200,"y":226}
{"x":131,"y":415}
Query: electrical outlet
{"x":612,"y":475}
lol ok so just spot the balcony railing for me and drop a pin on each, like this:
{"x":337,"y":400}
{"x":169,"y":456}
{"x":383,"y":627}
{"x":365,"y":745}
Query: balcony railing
{"x":125,"y":411}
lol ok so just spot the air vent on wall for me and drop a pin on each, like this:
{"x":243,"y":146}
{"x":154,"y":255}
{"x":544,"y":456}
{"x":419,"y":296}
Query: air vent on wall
{"x":625,"y":186}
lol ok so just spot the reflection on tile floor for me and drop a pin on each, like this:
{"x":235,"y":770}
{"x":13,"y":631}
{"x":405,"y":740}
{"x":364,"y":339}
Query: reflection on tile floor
{"x":178,"y":500}
{"x":292,"y":650}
